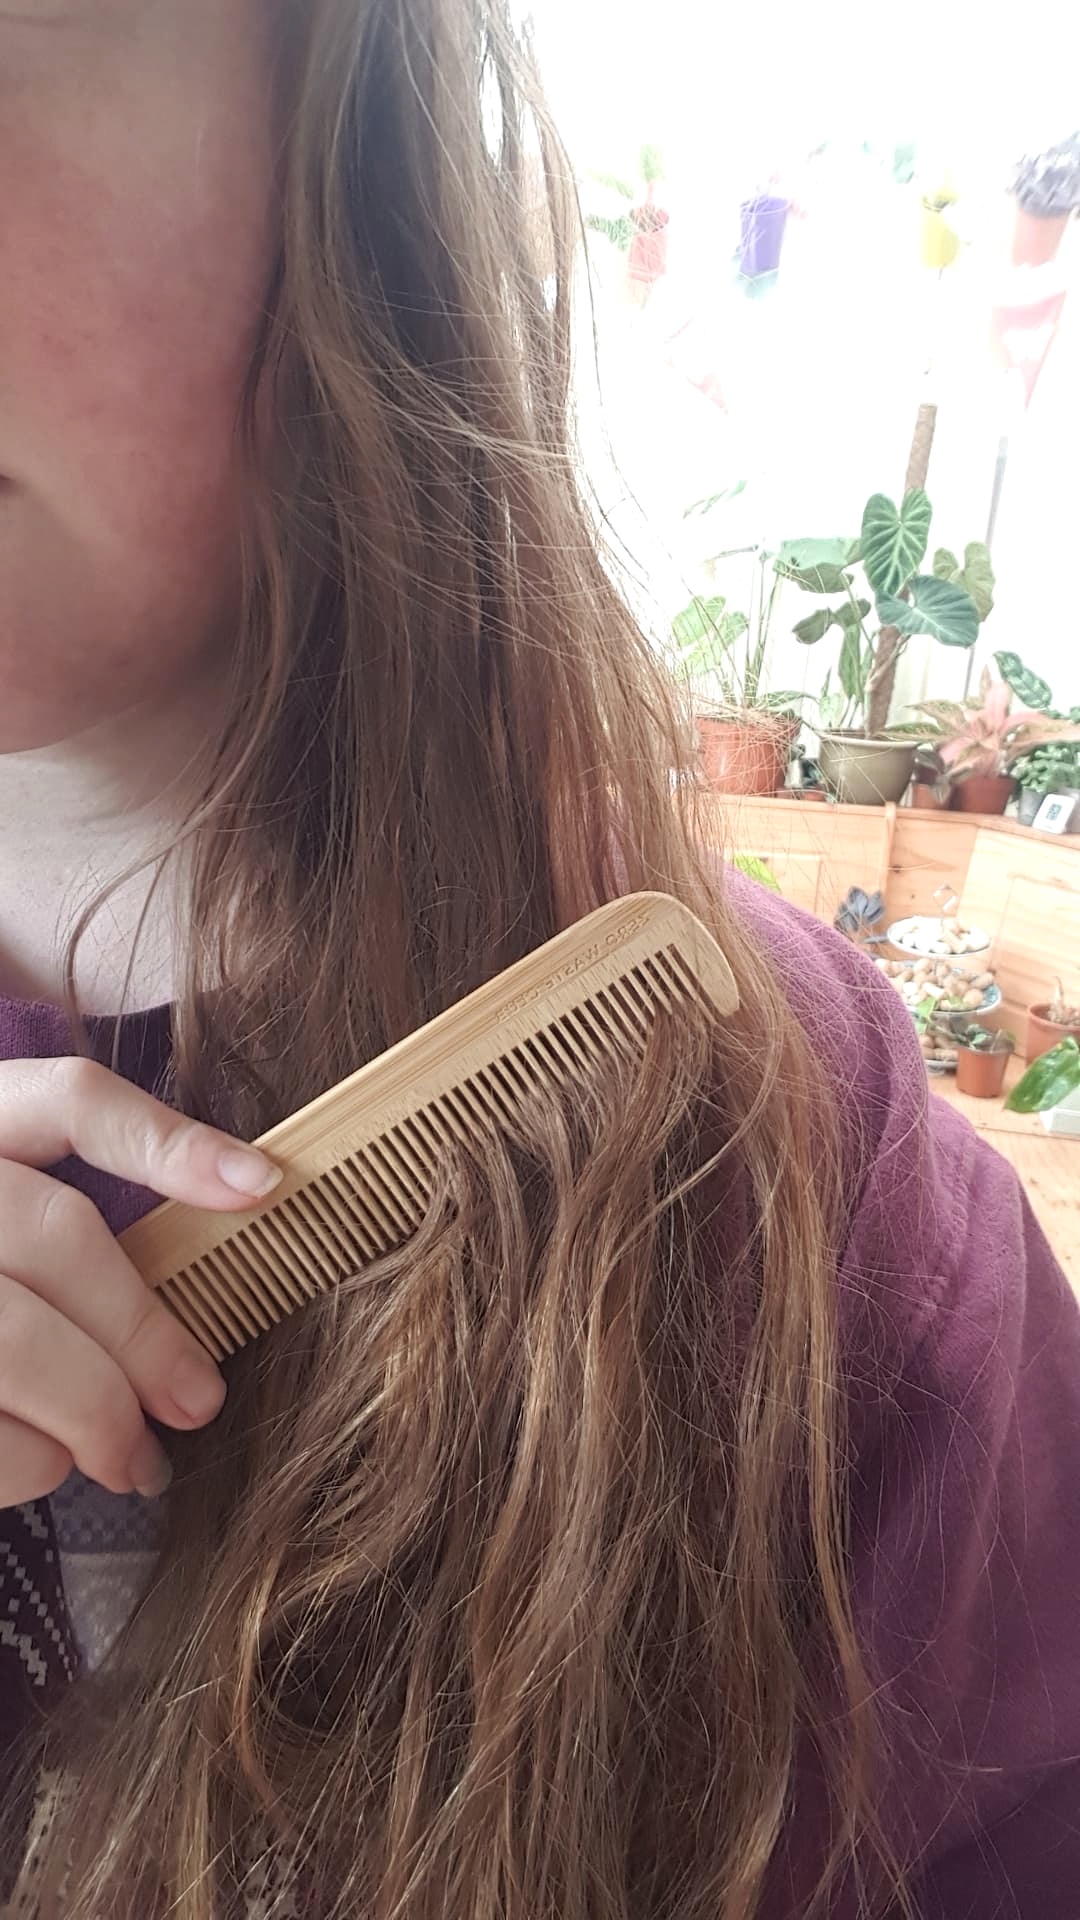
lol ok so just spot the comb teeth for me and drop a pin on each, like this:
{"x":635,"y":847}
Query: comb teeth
{"x":361,"y":1163}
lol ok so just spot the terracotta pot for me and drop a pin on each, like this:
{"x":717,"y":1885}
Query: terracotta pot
{"x":647,"y":261}
{"x":865,"y":773}
{"x":980,"y":1072}
{"x":1037,"y":237}
{"x":982,"y":793}
{"x":1042,"y":1034}
{"x":928,"y":797}
{"x":744,"y":756}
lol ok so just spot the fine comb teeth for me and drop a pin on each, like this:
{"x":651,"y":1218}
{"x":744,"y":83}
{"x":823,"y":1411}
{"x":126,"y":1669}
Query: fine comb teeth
{"x":359,"y":1162}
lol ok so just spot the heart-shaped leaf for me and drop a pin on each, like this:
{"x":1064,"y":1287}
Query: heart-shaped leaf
{"x":945,"y":564}
{"x":814,"y":628}
{"x":935,"y":607}
{"x":893,"y":540}
{"x":976,"y":576}
{"x":852,"y":613}
{"x":1027,"y":686}
{"x":817,"y":566}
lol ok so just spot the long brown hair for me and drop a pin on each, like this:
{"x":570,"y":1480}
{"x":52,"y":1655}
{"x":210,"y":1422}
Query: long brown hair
{"x":509,"y":1580}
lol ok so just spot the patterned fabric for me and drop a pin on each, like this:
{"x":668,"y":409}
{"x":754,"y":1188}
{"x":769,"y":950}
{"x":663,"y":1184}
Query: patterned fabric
{"x":107,"y":1544}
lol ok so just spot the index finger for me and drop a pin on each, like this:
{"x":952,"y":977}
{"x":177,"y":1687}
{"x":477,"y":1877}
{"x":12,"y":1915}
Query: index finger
{"x":52,"y":1108}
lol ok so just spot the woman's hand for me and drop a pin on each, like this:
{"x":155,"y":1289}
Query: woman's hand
{"x":86,"y":1350}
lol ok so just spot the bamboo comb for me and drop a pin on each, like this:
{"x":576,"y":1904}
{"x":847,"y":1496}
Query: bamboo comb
{"x":360,"y":1161}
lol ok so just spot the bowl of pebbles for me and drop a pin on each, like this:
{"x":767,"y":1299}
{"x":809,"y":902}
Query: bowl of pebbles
{"x":937,"y":936}
{"x":943,"y":997}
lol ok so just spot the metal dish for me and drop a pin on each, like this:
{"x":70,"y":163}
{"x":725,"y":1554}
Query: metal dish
{"x":955,"y":1019}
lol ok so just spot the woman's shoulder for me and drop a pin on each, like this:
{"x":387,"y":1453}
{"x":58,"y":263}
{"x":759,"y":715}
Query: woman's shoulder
{"x":932,"y":1212}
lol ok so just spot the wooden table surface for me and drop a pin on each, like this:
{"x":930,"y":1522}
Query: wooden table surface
{"x":1048,"y":1165}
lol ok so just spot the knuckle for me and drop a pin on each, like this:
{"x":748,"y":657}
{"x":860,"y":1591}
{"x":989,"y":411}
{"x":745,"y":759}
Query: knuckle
{"x":141,"y":1319}
{"x":66,"y":1214}
{"x":76,"y":1078}
{"x":172,"y":1142}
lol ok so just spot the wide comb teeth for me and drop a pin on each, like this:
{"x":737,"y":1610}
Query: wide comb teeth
{"x":362,"y":1162}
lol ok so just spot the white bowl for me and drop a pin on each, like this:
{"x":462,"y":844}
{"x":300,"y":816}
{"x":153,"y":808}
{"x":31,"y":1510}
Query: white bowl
{"x":920,"y":934}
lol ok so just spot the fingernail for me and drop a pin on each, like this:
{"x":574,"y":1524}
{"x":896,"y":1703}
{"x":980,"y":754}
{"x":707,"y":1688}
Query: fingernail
{"x":197,"y":1388}
{"x":248,"y":1172}
{"x":149,"y":1467}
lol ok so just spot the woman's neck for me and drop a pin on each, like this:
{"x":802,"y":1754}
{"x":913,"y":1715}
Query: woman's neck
{"x":74,"y":817}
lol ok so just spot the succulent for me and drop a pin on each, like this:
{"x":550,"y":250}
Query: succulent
{"x":987,"y":1039}
{"x":859,"y":913}
{"x":1051,"y":769}
{"x":1048,"y":184}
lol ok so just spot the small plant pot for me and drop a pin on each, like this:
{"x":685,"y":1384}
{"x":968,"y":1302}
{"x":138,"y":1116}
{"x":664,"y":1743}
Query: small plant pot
{"x":647,"y":261}
{"x":762,"y":224}
{"x":1043,"y":1033}
{"x":981,"y":1072}
{"x":865,"y":773}
{"x":930,"y":799}
{"x":982,"y":793}
{"x":1028,"y":805}
{"x":741,"y":756}
{"x":1037,"y":237}
{"x":939,"y":240}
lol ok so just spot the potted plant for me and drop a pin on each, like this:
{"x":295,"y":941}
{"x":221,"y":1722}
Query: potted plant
{"x":744,"y":734}
{"x":641,"y":231}
{"x":1051,"y":1085}
{"x":939,"y":240}
{"x":1054,"y":767}
{"x":863,"y":759}
{"x":762,"y":222}
{"x":1047,"y":190}
{"x":979,"y":740}
{"x":1050,"y":769}
{"x":1050,"y":1021}
{"x":929,"y":781}
{"x":982,"y":1056}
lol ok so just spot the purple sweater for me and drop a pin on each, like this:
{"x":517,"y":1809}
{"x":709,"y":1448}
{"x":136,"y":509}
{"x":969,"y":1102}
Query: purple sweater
{"x":961,"y":1345}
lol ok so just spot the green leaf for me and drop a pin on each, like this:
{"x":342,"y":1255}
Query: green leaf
{"x":822,"y":579}
{"x":935,"y":607}
{"x":616,"y":182}
{"x":1027,"y":686}
{"x":779,"y":702}
{"x":893,"y":540}
{"x":852,"y":614}
{"x":814,"y":627}
{"x":756,"y":869}
{"x":620,"y":231}
{"x":712,"y":500}
{"x":945,"y":565}
{"x":1048,"y":1081}
{"x":850,"y":668}
{"x":817,"y":566}
{"x":976,"y":576}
